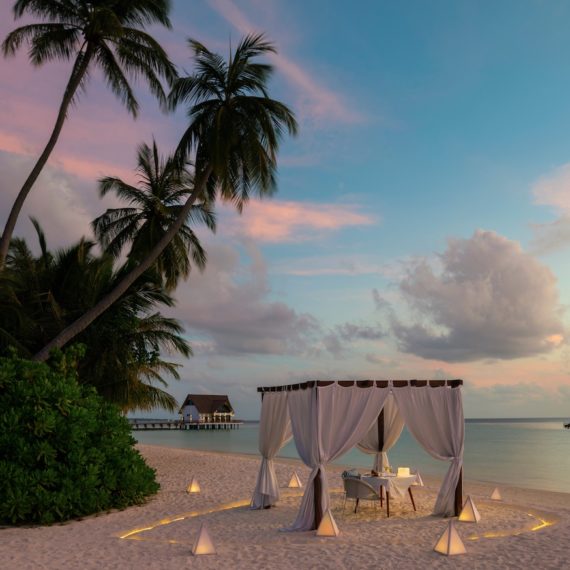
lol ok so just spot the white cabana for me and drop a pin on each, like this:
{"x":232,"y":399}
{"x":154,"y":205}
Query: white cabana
{"x":328,"y":418}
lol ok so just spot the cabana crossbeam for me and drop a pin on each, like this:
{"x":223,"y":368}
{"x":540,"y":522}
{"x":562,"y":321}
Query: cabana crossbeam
{"x":363,"y":384}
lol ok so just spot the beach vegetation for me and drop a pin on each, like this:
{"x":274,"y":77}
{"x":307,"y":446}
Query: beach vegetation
{"x":41,"y":294}
{"x":64,"y":451}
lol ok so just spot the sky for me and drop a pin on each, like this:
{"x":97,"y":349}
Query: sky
{"x":422,"y":224}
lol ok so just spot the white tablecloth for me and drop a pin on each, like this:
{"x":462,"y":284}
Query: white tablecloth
{"x":396,"y":486}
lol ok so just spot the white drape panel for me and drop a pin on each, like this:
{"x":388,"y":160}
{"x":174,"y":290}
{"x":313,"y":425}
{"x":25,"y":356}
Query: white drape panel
{"x":393,"y":425}
{"x":327,"y":421}
{"x":434,"y":417}
{"x":274,"y":433}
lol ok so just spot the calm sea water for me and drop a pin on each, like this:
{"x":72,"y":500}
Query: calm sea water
{"x":532,"y":453}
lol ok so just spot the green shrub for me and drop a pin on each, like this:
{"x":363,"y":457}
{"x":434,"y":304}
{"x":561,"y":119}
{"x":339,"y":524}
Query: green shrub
{"x":64,"y":451}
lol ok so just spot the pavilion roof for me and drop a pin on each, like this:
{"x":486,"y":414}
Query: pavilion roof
{"x":208,"y":403}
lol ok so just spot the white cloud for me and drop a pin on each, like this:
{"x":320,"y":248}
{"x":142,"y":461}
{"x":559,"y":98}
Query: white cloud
{"x":489,"y":300}
{"x":64,"y":204}
{"x":230,"y":305}
{"x":553,"y":190}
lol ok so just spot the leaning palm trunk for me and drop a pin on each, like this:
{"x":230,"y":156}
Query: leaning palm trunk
{"x":80,"y":67}
{"x":85,"y":320}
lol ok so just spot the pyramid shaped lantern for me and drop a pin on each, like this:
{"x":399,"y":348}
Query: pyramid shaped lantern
{"x":469,"y":512}
{"x":450,"y":543}
{"x":295,"y":482}
{"x":496,"y":495}
{"x":328,"y":526}
{"x":203,"y":544}
{"x":194,"y":486}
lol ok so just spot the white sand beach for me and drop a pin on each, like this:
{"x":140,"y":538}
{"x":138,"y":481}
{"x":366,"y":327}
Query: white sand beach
{"x":528,"y":528}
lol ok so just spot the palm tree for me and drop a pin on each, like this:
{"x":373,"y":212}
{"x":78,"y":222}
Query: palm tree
{"x":154,"y":207}
{"x":41,"y":295}
{"x":105,"y":34}
{"x":123,"y":360}
{"x":233,"y":137}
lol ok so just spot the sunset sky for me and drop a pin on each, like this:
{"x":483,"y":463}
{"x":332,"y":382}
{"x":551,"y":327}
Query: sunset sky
{"x":422,"y":223}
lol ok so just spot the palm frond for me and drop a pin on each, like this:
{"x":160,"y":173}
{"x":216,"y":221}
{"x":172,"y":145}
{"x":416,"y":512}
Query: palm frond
{"x":60,"y":43}
{"x":116,"y":79}
{"x":57,"y":10}
{"x":35,"y":34}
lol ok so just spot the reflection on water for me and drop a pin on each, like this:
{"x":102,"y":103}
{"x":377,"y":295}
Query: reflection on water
{"x":524,"y":453}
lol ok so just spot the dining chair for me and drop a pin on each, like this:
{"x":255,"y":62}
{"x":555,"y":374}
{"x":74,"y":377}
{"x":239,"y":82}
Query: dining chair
{"x":359,"y":490}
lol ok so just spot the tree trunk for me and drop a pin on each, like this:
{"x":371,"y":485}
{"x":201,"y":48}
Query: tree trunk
{"x":77,"y":74}
{"x":85,"y":320}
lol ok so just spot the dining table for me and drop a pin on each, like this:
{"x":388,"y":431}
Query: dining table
{"x":394,"y":485}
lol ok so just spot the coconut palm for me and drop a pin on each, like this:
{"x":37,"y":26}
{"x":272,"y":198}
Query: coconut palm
{"x":153,"y":207}
{"x":41,"y":295}
{"x":233,"y":137}
{"x":105,"y":34}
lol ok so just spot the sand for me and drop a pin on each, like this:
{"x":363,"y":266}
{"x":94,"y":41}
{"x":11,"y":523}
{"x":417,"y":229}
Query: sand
{"x":248,"y":539}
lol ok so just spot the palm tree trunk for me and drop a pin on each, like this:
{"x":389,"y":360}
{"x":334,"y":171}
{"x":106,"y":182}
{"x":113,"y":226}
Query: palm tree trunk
{"x":77,"y":74}
{"x":85,"y":320}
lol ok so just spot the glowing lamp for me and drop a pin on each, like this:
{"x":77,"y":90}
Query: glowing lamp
{"x":203,"y":544}
{"x":496,"y":495}
{"x":194,"y":486}
{"x":328,"y":526}
{"x":450,"y":543}
{"x":469,"y":512}
{"x":295,"y":482}
{"x":403,"y":471}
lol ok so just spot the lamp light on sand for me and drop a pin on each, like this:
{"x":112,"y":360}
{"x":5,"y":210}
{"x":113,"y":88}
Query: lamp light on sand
{"x":203,"y":544}
{"x":450,"y":543}
{"x":496,"y":495}
{"x":295,"y":482}
{"x":403,"y":471}
{"x":328,"y":526}
{"x":469,"y":512}
{"x":194,"y":486}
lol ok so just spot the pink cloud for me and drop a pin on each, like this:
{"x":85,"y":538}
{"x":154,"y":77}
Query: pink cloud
{"x":98,"y":137}
{"x":90,"y":144}
{"x":315,"y":99}
{"x":12,"y":144}
{"x":279,"y":221}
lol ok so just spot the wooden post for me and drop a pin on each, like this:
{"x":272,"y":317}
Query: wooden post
{"x":317,"y":482}
{"x":380,"y":426}
{"x":459,"y":494}
{"x":318,"y":506}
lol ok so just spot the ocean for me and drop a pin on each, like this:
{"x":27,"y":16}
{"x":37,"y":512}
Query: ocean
{"x":533,"y":453}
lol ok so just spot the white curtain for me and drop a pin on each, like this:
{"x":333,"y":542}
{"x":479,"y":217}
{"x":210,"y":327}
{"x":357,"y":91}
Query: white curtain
{"x":274,"y":433}
{"x":434,"y":417}
{"x":327,"y":421}
{"x":393,"y":425}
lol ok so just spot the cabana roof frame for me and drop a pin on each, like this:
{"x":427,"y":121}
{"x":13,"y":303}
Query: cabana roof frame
{"x":363,"y":384}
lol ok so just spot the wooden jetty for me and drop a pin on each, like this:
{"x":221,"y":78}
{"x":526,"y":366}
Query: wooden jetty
{"x":142,"y":424}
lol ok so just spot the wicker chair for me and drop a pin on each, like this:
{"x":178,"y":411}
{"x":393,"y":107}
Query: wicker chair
{"x":359,"y":490}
